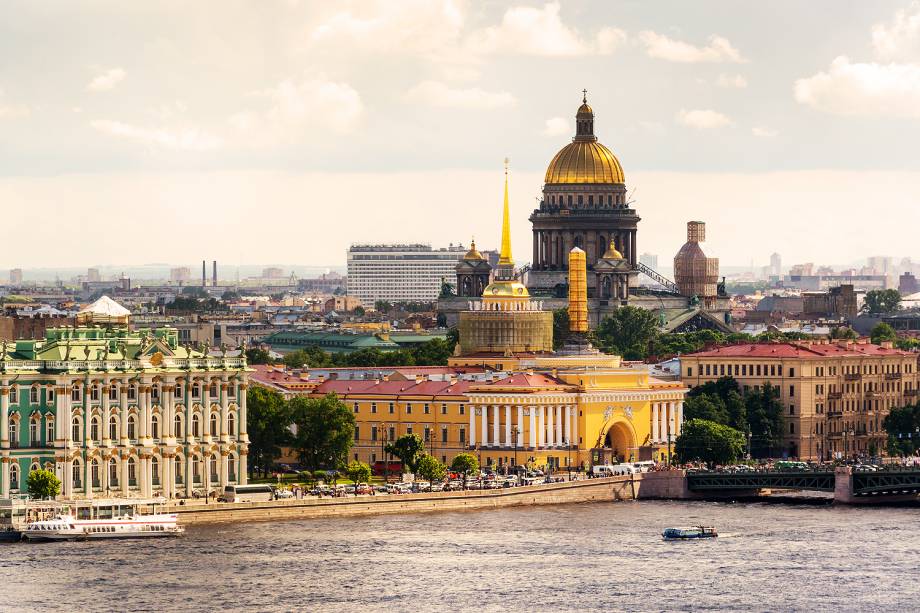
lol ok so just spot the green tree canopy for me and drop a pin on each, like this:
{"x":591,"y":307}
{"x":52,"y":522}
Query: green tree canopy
{"x":268,"y":420}
{"x":628,"y":332}
{"x":707,"y":407}
{"x":465,"y":464}
{"x":903,"y":428}
{"x":883,"y":332}
{"x":844,"y":333}
{"x":765,"y":415}
{"x":706,"y":441}
{"x":878,"y":301}
{"x":359,"y":472}
{"x":325,"y":430}
{"x":257,"y":356}
{"x":431,"y":469}
{"x":409,"y":448}
{"x":560,"y":327}
{"x":43,"y":484}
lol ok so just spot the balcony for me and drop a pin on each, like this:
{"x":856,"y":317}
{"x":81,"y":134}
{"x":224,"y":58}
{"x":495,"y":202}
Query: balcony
{"x":855,"y":376}
{"x":911,"y":392}
{"x":835,"y":395}
{"x":892,"y":376}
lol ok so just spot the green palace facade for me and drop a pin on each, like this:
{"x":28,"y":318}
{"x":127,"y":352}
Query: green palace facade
{"x":120,"y":412}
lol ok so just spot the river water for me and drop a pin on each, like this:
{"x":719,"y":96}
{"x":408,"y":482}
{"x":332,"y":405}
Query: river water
{"x":586,"y":557}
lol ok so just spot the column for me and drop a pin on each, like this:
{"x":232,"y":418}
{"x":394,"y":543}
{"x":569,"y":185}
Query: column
{"x":244,"y":436}
{"x":496,"y":439}
{"x":141,"y":468}
{"x":206,"y":412}
{"x":550,"y":429}
{"x":224,"y":465}
{"x":655,"y":423}
{"x":4,"y":477}
{"x":472,"y":430}
{"x":568,"y":424}
{"x":632,"y":247}
{"x":67,"y":489}
{"x":125,"y":483}
{"x":558,"y":438}
{"x":243,"y":476}
{"x":206,"y":473}
{"x":224,"y":412}
{"x":520,"y":427}
{"x":508,"y":442}
{"x":671,"y":420}
{"x":166,"y":475}
{"x":5,"y":422}
{"x":533,"y":426}
{"x":575,"y":424}
{"x":123,"y":409}
{"x":168,"y":427}
{"x":485,"y":426}
{"x":189,"y":480}
{"x":88,"y":477}
{"x":105,"y":414}
{"x":680,"y":417}
{"x":541,"y":427}
{"x":536,"y":242}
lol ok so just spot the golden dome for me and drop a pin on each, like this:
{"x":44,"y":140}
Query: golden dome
{"x":612,"y":253}
{"x":584,"y":162}
{"x":473,"y":253}
{"x":585,"y":108}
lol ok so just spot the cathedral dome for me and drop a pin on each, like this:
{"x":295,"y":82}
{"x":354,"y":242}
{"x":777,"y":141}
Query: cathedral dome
{"x":584,"y":160}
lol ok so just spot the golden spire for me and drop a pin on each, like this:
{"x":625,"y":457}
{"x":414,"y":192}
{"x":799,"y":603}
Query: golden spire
{"x":505,"y":256}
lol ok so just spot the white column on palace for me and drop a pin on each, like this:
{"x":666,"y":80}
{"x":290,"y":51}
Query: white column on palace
{"x":568,"y":425}
{"x":4,"y":477}
{"x":575,"y":424}
{"x":472,"y":441}
{"x":189,"y":472}
{"x":88,"y":478}
{"x":541,"y":426}
{"x":671,"y":409}
{"x":105,"y":412}
{"x":143,"y":401}
{"x":520,"y":426}
{"x":496,"y":439}
{"x":166,"y":478}
{"x":224,"y":413}
{"x":558,"y":438}
{"x":533,"y":426}
{"x":507,"y":425}
{"x":224,"y":465}
{"x":125,"y":484}
{"x":485,"y":426}
{"x":680,"y":417}
{"x":242,"y":427}
{"x":655,"y":422}
{"x":123,"y":409}
{"x":243,"y":475}
{"x":5,"y":418}
{"x":68,"y":478}
{"x":550,"y":426}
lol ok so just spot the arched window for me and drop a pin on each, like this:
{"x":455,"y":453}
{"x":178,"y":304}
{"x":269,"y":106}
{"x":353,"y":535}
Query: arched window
{"x":214,"y":424}
{"x":94,"y":428}
{"x":14,"y":430}
{"x":178,"y":463}
{"x":113,"y":473}
{"x":75,"y":430}
{"x":14,"y":476}
{"x":155,"y":426}
{"x":113,"y":428}
{"x":212,"y":465}
{"x":132,"y":427}
{"x":155,"y":470}
{"x":132,"y":472}
{"x":231,"y":424}
{"x":49,"y":429}
{"x":77,"y":474}
{"x":196,"y":425}
{"x":178,"y":425}
{"x":33,"y":394}
{"x":196,"y":469}
{"x":34,"y":432}
{"x":94,"y":472}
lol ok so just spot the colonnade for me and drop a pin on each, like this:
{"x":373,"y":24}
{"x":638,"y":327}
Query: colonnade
{"x":667,"y":419}
{"x":546,"y":426}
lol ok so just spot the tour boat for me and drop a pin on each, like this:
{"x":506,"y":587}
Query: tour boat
{"x":695,"y":532}
{"x":105,"y":520}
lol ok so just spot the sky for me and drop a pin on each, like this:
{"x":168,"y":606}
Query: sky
{"x":284,"y":131}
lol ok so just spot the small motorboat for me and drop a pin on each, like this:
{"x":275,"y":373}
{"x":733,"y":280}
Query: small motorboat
{"x":683,"y":534}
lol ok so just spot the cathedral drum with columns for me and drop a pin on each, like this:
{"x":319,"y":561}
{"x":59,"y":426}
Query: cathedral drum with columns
{"x":116,"y":412}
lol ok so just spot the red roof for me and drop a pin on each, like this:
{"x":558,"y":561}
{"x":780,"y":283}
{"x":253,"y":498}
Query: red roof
{"x":797,"y":351}
{"x":394,"y":388}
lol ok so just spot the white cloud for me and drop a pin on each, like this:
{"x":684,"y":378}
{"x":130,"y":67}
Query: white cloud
{"x":188,"y":139}
{"x":702,"y":119}
{"x":312,"y":103}
{"x":434,"y":93}
{"x":661,"y":47}
{"x":734,"y":81}
{"x":763,"y":132}
{"x":557,"y":126}
{"x":107,"y":80}
{"x":863,"y":89}
{"x":14,"y":111}
{"x":899,"y":40}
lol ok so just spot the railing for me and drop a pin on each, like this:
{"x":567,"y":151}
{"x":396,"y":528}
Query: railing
{"x":892,"y":376}
{"x":835,"y":395}
{"x":212,"y":362}
{"x":654,"y":276}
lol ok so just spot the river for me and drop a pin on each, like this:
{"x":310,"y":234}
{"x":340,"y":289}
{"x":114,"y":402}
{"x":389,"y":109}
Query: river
{"x":587,"y":557}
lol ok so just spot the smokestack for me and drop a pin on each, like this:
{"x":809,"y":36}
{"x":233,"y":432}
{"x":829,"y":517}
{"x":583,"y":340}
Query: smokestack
{"x":214,"y":273}
{"x":204,"y":273}
{"x":578,"y":291}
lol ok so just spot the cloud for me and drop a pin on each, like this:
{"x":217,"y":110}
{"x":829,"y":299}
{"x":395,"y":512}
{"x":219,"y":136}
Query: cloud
{"x":540,"y":31}
{"x":899,"y":40}
{"x":763,"y":132}
{"x":14,"y":111}
{"x":434,"y":93}
{"x":735,"y":81}
{"x":315,"y":103}
{"x":107,"y":80}
{"x":702,"y":119}
{"x":556,"y":126}
{"x":661,"y":47}
{"x":188,"y":139}
{"x":871,"y":89}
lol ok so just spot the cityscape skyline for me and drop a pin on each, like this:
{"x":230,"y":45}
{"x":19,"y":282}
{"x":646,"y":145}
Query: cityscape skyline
{"x":290,"y":115}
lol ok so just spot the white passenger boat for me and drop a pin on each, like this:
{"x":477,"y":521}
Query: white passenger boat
{"x":105,"y":519}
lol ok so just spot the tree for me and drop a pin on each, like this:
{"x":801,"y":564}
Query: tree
{"x":628,"y":332}
{"x":409,"y":448}
{"x":465,"y":463}
{"x":707,"y":407}
{"x":903,"y":427}
{"x":433,"y":353}
{"x":268,"y":423}
{"x":706,"y":441}
{"x":258,"y":356}
{"x":359,"y":311}
{"x":383,"y":306}
{"x":431,"y":469}
{"x":844,"y":333}
{"x":230,"y":296}
{"x":883,"y":333}
{"x":325,"y":430}
{"x":560,"y":327}
{"x":43,"y":484}
{"x":359,"y":472}
{"x":878,"y":301}
{"x":765,"y":415}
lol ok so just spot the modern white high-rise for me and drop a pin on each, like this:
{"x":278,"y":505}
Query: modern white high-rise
{"x":400,"y":273}
{"x":776,"y":265}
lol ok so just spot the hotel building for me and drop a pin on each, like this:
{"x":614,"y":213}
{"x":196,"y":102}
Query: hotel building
{"x":400,"y":273}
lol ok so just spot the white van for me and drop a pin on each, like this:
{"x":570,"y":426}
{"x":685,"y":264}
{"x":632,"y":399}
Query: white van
{"x":247,"y":493}
{"x":643,"y":466}
{"x":607,"y":470}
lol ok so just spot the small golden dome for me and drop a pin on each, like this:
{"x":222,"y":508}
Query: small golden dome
{"x":473,"y":253}
{"x":612,"y":253}
{"x":584,"y":162}
{"x":585,"y":108}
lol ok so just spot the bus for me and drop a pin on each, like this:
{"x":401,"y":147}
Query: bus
{"x":248,"y":493}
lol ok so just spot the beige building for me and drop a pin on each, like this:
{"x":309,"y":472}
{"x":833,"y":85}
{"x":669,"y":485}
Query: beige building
{"x":835,"y":395}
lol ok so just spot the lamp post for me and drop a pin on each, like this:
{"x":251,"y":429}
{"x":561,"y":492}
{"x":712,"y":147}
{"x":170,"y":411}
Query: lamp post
{"x":669,"y":448}
{"x":749,"y":444}
{"x":515,"y":430}
{"x":383,"y":453}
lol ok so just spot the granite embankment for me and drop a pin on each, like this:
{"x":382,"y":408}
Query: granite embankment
{"x":649,"y":485}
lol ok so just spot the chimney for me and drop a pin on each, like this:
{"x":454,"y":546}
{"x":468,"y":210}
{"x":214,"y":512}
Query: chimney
{"x":419,"y":378}
{"x":214,"y":273}
{"x":887,"y":344}
{"x":204,"y":273}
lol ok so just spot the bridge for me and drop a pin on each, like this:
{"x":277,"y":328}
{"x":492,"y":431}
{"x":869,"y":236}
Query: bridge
{"x":848,"y":486}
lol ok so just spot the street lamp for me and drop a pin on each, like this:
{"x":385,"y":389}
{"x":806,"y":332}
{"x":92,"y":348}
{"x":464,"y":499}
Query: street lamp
{"x":749,"y":444}
{"x":515,"y":431}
